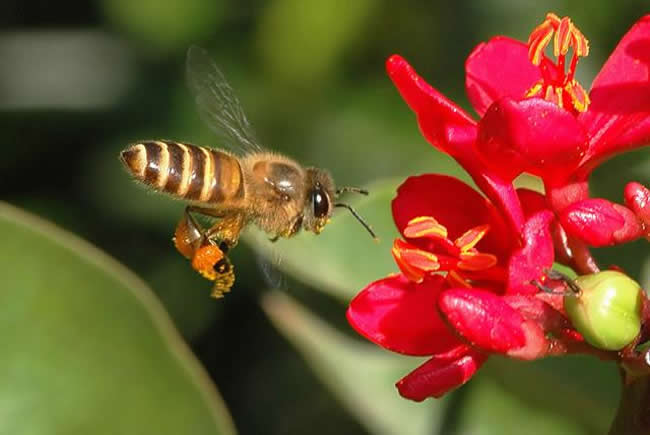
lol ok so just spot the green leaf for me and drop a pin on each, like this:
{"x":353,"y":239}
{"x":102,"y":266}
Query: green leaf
{"x":490,"y":409}
{"x":86,"y":348}
{"x":360,"y":375}
{"x":580,"y":388}
{"x":343,"y":258}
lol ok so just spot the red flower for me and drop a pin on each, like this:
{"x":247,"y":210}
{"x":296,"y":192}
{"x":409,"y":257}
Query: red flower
{"x":537,"y":119}
{"x":471,"y":267}
{"x":461,"y":316}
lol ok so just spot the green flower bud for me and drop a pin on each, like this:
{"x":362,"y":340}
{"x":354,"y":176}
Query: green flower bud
{"x":607,"y":311}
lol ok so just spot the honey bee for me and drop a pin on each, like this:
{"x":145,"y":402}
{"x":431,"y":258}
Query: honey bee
{"x":238,"y":186}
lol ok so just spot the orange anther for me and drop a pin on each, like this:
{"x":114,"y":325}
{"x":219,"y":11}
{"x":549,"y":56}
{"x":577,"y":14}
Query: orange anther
{"x":475,"y":261}
{"x":425,"y":226}
{"x":537,"y":42}
{"x":471,"y":237}
{"x":563,"y":37}
{"x":421,"y":260}
{"x":552,"y":19}
{"x":412,"y":261}
{"x":579,"y":96}
{"x":553,"y":86}
{"x":580,"y":43}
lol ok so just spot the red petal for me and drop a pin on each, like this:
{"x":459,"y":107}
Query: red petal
{"x":500,"y":191}
{"x":531,"y":261}
{"x":436,"y":377}
{"x":545,"y":309}
{"x":531,"y":201}
{"x":537,"y":343}
{"x":443,"y":123}
{"x":450,"y":129}
{"x":531,"y":135}
{"x":618,"y":118}
{"x":637,"y":198}
{"x":453,"y":204}
{"x":563,"y":195}
{"x":496,"y":69}
{"x":402,"y":316}
{"x":483,"y":318}
{"x":599,"y":222}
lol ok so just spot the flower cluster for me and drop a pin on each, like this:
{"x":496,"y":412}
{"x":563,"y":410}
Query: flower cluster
{"x":474,"y":266}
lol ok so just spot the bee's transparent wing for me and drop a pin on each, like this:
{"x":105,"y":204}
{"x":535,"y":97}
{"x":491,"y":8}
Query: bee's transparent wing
{"x":218,"y":105}
{"x":269,"y":266}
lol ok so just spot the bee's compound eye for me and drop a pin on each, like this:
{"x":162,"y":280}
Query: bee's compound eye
{"x":320,"y":202}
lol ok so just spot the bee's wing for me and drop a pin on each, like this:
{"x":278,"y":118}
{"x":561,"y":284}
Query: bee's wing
{"x":269,"y":266}
{"x":218,"y":105}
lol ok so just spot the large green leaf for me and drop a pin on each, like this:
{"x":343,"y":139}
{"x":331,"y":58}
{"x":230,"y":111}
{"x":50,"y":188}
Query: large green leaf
{"x":360,"y":375}
{"x":581,"y":388}
{"x":489,"y":409}
{"x":86,"y":348}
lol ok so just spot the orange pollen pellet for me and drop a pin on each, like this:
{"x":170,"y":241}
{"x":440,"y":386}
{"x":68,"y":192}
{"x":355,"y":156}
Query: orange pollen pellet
{"x":204,"y":260}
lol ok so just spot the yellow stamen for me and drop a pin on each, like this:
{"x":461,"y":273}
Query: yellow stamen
{"x":559,"y":86}
{"x":471,"y":237}
{"x":455,"y":280}
{"x":425,"y":226}
{"x":475,"y":261}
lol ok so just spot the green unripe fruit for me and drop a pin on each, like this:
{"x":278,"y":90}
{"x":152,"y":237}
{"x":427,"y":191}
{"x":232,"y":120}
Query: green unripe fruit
{"x":607,"y":312}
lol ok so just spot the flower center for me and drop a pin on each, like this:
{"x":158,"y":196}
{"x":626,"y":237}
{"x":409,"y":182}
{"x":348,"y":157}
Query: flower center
{"x":558,"y":83}
{"x":459,"y":258}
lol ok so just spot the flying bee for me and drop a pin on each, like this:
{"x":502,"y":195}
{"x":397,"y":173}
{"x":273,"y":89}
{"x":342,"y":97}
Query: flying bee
{"x":238,"y":186}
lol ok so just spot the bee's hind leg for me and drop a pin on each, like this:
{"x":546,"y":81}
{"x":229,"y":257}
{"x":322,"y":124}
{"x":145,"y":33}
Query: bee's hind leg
{"x":227,"y":230}
{"x":189,"y":235}
{"x":206,"y":235}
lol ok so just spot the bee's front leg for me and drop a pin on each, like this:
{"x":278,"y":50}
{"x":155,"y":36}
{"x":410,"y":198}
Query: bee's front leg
{"x":291,"y":231}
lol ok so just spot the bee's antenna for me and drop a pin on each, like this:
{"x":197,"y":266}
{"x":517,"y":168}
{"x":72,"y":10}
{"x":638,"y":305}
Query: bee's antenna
{"x":344,"y":189}
{"x":359,"y":218}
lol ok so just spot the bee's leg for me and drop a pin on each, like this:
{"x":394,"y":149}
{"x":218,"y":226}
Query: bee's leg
{"x":206,"y":254}
{"x":567,"y":280}
{"x":227,"y":230}
{"x":189,"y":235}
{"x":291,"y":231}
{"x":555,"y":275}
{"x":204,"y":211}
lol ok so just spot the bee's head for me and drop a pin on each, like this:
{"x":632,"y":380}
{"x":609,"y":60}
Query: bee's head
{"x":318,"y":204}
{"x":320,"y":201}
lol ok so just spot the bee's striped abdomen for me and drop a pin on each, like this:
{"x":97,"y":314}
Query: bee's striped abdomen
{"x":186,"y":171}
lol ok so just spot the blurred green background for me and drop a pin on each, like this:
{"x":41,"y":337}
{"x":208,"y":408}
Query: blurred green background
{"x":86,"y":349}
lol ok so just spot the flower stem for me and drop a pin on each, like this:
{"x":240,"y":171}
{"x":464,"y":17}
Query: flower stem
{"x":633,"y":415}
